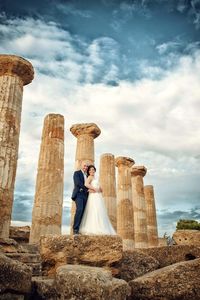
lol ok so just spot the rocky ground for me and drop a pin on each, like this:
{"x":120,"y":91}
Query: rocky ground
{"x":96,"y":267}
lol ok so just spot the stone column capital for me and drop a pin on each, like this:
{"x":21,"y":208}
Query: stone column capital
{"x":125,"y":161}
{"x":148,"y":187}
{"x":138,"y":171}
{"x":90,"y":129}
{"x":16,"y":66}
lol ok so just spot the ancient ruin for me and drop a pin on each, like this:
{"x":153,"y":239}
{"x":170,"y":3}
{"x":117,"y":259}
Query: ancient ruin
{"x":85,"y":134}
{"x":187,"y":237}
{"x":15,"y":72}
{"x":125,"y":221}
{"x":134,"y":264}
{"x":47,"y":209}
{"x":152,"y":229}
{"x":108,"y":184}
{"x":139,"y":206}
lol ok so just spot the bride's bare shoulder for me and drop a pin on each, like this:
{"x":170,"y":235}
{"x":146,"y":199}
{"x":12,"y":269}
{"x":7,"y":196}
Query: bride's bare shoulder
{"x":90,"y":178}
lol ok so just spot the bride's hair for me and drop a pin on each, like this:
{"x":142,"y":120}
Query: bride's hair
{"x":88,"y":170}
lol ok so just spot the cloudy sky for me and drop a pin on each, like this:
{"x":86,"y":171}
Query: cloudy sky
{"x":133,"y":68}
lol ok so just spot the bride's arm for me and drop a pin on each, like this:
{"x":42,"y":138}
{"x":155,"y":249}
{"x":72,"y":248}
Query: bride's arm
{"x":88,"y":183}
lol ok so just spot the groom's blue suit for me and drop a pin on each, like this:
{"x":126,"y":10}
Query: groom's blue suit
{"x":79,"y":195}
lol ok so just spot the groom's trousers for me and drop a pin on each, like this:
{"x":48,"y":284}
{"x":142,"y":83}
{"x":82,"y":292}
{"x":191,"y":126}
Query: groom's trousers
{"x":80,"y":207}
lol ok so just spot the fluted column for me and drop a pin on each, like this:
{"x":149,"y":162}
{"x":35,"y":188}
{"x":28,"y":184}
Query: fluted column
{"x":139,"y":206}
{"x":47,"y":209}
{"x":108,"y":184}
{"x":15,"y":72}
{"x":152,"y":229}
{"x":85,"y":134}
{"x":125,"y":221}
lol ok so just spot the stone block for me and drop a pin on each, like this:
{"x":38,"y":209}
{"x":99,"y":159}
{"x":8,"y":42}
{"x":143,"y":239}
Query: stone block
{"x":91,"y":283}
{"x":135,"y":264}
{"x":180,"y":281}
{"x":20,"y":233}
{"x":99,"y":251}
{"x":187,"y":237}
{"x":14,"y":276}
{"x":168,"y":255}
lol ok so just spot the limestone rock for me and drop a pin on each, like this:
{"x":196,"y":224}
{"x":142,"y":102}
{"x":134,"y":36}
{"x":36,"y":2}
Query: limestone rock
{"x":85,"y":128}
{"x":187,"y":237}
{"x":91,"y":283}
{"x":16,"y":66}
{"x":135,"y":264}
{"x":14,"y":73}
{"x":152,"y":229}
{"x":180,"y":281}
{"x":14,"y":276}
{"x":100,"y":251}
{"x":43,"y":288}
{"x":11,"y":296}
{"x":139,"y":206}
{"x":173,"y":254}
{"x":20,"y":233}
{"x":47,"y":208}
{"x":108,"y":185}
{"x":10,"y":246}
{"x":125,"y":221}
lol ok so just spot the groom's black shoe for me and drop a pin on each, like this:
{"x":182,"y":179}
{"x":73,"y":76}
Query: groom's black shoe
{"x":75,"y":233}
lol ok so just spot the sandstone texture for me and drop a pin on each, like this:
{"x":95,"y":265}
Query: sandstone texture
{"x":20,"y":233}
{"x":47,"y":209}
{"x":187,"y":237}
{"x":43,"y":288}
{"x":180,"y":281}
{"x":14,"y":276}
{"x":139,"y":206}
{"x":14,"y":73}
{"x":135,"y":264}
{"x":101,"y":251}
{"x":172,"y":254}
{"x":152,"y":230}
{"x":10,"y":246}
{"x":125,"y":221}
{"x":108,"y":185}
{"x":91,"y":283}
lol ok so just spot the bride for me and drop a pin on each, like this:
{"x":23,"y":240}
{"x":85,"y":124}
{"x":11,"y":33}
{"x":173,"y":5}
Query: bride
{"x":95,"y":219}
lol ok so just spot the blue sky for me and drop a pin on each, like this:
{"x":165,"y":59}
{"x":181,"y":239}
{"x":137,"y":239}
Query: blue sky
{"x":132,"y":67}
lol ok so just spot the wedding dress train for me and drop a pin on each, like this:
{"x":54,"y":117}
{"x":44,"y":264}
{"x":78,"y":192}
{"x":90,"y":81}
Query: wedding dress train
{"x":95,"y":218}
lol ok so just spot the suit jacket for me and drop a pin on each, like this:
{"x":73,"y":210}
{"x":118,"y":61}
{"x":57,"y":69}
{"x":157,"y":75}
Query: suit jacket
{"x":80,"y":189}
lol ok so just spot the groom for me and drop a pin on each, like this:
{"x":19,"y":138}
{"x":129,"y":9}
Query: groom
{"x":79,"y":195}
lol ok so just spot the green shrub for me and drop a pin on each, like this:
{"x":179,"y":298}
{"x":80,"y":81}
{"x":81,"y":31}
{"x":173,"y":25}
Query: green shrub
{"x":188,"y":224}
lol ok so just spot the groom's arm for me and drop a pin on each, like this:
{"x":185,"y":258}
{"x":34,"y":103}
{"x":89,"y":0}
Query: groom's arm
{"x":77,"y":181}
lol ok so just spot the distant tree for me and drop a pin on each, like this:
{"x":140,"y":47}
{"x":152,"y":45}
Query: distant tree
{"x":188,"y":224}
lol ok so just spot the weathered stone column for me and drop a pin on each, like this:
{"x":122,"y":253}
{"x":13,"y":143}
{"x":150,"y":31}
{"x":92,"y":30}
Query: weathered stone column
{"x":108,"y":184}
{"x":85,"y":134}
{"x":125,"y":221}
{"x":47,"y":209}
{"x":139,"y":206}
{"x":15,"y":72}
{"x":152,"y":229}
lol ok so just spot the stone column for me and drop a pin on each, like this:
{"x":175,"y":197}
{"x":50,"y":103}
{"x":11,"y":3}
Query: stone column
{"x":108,"y":184}
{"x":152,"y":229}
{"x":125,"y":221}
{"x":15,"y":72}
{"x":85,"y":134}
{"x":47,"y":209}
{"x":139,"y":206}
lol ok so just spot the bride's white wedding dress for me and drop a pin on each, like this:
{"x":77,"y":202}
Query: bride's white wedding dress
{"x":95,"y":218}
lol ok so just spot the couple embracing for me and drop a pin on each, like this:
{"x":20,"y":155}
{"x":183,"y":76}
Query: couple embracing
{"x":91,"y":216}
